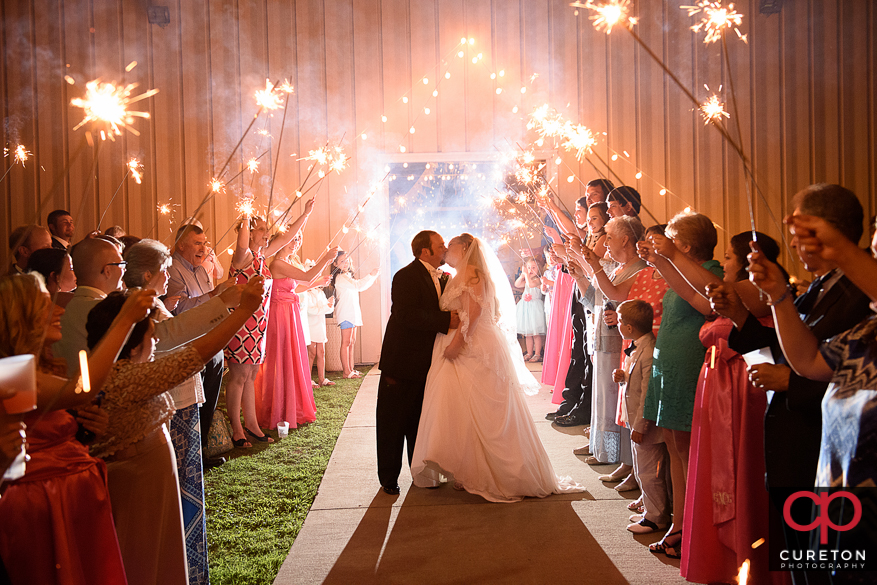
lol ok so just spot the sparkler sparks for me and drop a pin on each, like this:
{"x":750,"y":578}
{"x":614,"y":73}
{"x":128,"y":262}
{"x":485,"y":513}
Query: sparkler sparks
{"x":713,"y":110}
{"x":135,"y":167}
{"x":609,"y":14}
{"x":106,"y":103}
{"x":216,"y":185}
{"x":245,"y":207}
{"x":267,"y":98}
{"x":253,"y":165}
{"x":21,"y":154}
{"x":164,"y":209}
{"x":580,"y":139}
{"x":715,"y":19}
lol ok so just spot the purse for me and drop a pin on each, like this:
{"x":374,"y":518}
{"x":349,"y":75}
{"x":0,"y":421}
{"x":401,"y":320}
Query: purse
{"x":219,"y":437}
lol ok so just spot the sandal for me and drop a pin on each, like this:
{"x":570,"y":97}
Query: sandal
{"x":671,"y":550}
{"x":263,"y":439}
{"x":352,"y":375}
{"x":535,"y":359}
{"x":241,"y":443}
{"x":327,"y":382}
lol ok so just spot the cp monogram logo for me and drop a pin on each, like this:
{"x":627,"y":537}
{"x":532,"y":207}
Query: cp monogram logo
{"x":823,"y":522}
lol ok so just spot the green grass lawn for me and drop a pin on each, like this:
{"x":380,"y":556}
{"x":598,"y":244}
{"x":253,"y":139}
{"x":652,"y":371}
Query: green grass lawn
{"x":258,"y":501}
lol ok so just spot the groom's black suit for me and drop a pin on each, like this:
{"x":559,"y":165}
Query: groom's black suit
{"x":415,"y":318}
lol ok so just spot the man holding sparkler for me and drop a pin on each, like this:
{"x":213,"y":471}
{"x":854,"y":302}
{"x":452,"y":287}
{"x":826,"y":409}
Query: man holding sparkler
{"x":415,"y":319}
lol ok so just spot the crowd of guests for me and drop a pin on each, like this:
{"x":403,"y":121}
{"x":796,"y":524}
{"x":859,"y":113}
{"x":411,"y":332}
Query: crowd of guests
{"x":107,"y":486}
{"x":646,"y":349}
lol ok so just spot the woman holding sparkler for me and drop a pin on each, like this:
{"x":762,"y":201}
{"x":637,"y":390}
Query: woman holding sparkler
{"x":246,"y":351}
{"x":348,"y":315}
{"x":283,"y":385}
{"x":530,"y":311}
{"x":56,"y":522}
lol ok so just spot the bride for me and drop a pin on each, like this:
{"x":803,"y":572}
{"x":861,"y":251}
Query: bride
{"x":475,"y":425}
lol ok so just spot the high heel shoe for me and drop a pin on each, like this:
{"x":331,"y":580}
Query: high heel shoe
{"x":263,"y":439}
{"x":670,"y":545}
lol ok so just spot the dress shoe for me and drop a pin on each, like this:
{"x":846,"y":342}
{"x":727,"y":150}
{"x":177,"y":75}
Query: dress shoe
{"x":568,"y":420}
{"x":629,"y":484}
{"x":645,"y":527}
{"x":553,"y":415}
{"x":586,"y":450}
{"x":620,"y":473}
{"x":212,"y":462}
{"x":392,"y":490}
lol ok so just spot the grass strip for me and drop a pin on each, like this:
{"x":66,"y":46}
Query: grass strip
{"x":257,"y":501}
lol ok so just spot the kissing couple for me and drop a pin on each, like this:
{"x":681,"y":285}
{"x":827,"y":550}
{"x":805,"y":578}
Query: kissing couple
{"x":453,"y":379}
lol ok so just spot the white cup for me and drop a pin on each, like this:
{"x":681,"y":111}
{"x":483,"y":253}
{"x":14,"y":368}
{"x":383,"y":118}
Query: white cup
{"x":282,"y":429}
{"x":19,"y":373}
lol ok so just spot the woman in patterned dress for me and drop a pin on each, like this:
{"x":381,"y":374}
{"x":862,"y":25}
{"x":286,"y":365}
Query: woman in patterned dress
{"x":246,"y":351}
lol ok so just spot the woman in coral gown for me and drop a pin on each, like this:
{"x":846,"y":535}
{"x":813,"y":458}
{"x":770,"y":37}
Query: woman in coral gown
{"x":283,"y":384}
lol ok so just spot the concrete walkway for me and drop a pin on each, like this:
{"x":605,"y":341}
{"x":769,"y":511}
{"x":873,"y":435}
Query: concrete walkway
{"x":355,"y":533}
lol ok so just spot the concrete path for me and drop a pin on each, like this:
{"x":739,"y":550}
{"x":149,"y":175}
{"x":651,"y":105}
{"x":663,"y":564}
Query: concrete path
{"x":354,"y":533}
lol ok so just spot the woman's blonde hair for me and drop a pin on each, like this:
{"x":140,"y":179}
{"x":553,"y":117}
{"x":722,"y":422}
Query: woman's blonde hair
{"x":23,"y":316}
{"x":695,"y":230}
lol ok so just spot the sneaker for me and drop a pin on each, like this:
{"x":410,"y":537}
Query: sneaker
{"x":645,"y":527}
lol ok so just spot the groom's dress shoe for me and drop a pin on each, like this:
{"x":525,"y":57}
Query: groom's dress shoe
{"x":569,"y":420}
{"x":393,"y":490}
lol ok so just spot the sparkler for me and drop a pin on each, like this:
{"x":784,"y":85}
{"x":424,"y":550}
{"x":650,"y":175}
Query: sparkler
{"x":106,"y":104}
{"x":715,"y":18}
{"x":245,"y":207}
{"x":267,"y":98}
{"x":253,"y":165}
{"x":134,"y":167}
{"x":713,"y":110}
{"x":20,"y":156}
{"x":580,"y":139}
{"x":288,"y":89}
{"x":609,"y":14}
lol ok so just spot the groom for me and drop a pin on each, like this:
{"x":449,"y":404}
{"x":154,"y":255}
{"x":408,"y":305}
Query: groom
{"x":415,"y":318}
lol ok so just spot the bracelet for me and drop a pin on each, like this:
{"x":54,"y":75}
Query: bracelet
{"x":783,"y":297}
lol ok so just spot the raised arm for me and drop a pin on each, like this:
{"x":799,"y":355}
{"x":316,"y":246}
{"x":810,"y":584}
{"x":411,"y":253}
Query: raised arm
{"x":292,"y":230}
{"x":57,"y":393}
{"x":242,"y":244}
{"x":800,"y":346}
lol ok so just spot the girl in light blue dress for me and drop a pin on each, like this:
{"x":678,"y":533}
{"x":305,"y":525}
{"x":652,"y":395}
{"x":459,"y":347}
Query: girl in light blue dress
{"x":531,"y":310}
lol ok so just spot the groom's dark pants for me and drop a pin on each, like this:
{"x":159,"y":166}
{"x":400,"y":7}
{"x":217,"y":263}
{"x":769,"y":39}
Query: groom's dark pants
{"x":577,"y":391}
{"x":398,"y":415}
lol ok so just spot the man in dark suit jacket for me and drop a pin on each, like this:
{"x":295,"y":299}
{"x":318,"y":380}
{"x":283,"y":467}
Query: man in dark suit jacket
{"x":60,"y":224}
{"x":415,"y":319}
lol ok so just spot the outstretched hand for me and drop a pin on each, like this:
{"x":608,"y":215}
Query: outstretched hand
{"x":766,"y":275}
{"x":725,"y":301}
{"x":818,"y":237}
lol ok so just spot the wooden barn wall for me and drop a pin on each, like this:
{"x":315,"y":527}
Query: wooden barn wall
{"x":804,"y":83}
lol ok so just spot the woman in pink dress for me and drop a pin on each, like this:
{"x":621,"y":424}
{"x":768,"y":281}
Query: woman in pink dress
{"x":283,"y":385}
{"x":246,"y":351}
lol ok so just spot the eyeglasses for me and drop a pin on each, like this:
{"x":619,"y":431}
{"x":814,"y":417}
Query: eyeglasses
{"x":121,"y":264}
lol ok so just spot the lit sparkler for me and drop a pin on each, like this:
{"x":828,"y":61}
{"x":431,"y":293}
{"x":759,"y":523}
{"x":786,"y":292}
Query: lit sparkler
{"x":743,"y":574}
{"x":164,"y":209}
{"x":135,"y":167}
{"x":579,"y":139}
{"x":21,"y":154}
{"x":253,"y":165}
{"x":609,"y":14}
{"x":106,"y":103}
{"x":216,"y":185}
{"x":245,"y":207}
{"x":713,"y":110}
{"x":267,"y":98}
{"x":715,"y":19}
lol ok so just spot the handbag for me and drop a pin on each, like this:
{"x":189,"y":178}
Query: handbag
{"x":219,"y":437}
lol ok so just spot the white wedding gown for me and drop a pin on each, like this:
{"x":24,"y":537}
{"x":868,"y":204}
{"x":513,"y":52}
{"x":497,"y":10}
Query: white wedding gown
{"x":475,"y":426}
